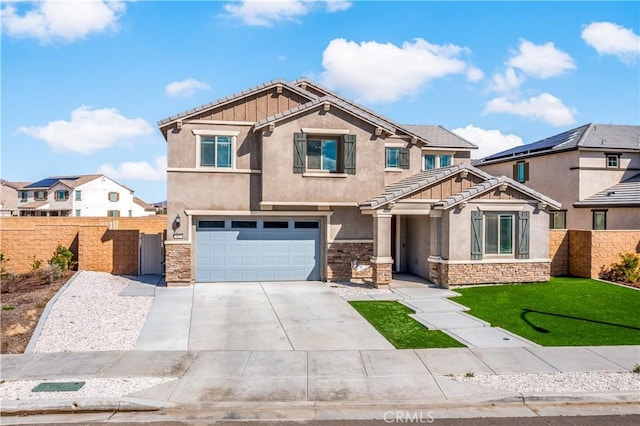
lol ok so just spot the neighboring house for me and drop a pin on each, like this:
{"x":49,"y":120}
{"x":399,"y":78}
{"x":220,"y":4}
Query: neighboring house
{"x":81,"y":195}
{"x":9,"y":197}
{"x":290,"y":181}
{"x":593,"y":170}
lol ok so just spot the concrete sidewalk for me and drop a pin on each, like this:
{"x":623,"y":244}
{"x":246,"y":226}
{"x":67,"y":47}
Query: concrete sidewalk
{"x":290,"y":380}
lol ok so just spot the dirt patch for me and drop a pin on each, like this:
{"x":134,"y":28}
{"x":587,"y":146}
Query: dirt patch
{"x":23,"y":298}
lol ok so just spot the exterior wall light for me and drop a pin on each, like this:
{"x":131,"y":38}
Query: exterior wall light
{"x":176,"y":221}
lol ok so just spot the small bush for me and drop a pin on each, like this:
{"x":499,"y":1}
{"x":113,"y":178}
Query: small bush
{"x":62,"y":257}
{"x":3,"y":261}
{"x":470,"y":375}
{"x":36,"y":266}
{"x":626,"y":271}
{"x":8,"y":308}
{"x":52,"y":272}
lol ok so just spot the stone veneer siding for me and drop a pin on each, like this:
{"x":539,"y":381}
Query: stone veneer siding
{"x":177,"y":264}
{"x":489,"y":273}
{"x":339,"y":258}
{"x":381,"y":274}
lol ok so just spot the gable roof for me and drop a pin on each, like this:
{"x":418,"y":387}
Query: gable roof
{"x":69,"y":181}
{"x":623,"y":194}
{"x":418,"y":181}
{"x":424,"y":179}
{"x":143,"y":204}
{"x":490,"y":184}
{"x":14,"y":185}
{"x":234,"y":97}
{"x":320,"y":101}
{"x":438,"y":136}
{"x":410,"y":130}
{"x":598,"y":136}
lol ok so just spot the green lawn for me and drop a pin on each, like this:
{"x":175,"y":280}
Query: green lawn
{"x":562,"y":312}
{"x":391,"y":319}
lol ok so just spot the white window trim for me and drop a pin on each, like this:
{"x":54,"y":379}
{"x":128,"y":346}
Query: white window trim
{"x":617,"y":157}
{"x":388,"y":168}
{"x":207,"y":132}
{"x":310,"y":130}
{"x":437,"y":156}
{"x":513,"y":236}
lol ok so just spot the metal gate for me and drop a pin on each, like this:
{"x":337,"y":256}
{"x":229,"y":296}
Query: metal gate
{"x":150,"y":254}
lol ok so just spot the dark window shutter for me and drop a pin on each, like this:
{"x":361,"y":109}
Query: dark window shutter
{"x":476,"y":235}
{"x":404,"y":158}
{"x":350,"y":154}
{"x":526,"y":171}
{"x":299,"y":152}
{"x":515,"y":172}
{"x":523,"y":235}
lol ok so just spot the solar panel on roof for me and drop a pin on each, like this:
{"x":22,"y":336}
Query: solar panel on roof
{"x":540,"y":145}
{"x":46,"y":183}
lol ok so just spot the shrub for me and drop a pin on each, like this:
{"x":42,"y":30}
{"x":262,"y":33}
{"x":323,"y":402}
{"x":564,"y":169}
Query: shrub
{"x":3,"y":261}
{"x":52,"y":272}
{"x":626,"y":271}
{"x":36,"y":266}
{"x":62,"y":257}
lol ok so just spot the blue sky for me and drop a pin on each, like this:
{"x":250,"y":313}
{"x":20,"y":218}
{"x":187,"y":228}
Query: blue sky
{"x":84,"y":82}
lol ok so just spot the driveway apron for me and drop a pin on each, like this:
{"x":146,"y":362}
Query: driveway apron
{"x":295,"y":315}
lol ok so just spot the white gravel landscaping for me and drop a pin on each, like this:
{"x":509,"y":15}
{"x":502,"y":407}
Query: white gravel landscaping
{"x":351,"y":288}
{"x":91,"y":316}
{"x":93,"y":388}
{"x":558,"y":382}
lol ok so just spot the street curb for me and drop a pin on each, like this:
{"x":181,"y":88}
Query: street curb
{"x":83,"y":405}
{"x":45,"y":313}
{"x":599,"y":397}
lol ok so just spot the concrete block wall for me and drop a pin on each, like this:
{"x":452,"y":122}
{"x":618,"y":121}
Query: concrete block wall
{"x":559,"y":251}
{"x":606,"y":245}
{"x":98,"y":244}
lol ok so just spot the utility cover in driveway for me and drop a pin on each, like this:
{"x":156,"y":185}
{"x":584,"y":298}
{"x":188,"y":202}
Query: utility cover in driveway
{"x":257,"y":250}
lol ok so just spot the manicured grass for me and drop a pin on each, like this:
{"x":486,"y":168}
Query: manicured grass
{"x":562,"y":312}
{"x":391,"y":319}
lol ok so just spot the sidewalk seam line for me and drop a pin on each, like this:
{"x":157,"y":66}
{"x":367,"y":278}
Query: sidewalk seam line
{"x":432,"y":375}
{"x":276,"y":314}
{"x":545,"y":361}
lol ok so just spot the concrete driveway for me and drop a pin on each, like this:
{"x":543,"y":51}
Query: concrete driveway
{"x":294,"y":315}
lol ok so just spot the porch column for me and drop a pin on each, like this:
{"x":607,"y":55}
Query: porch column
{"x":382,"y":261}
{"x":435,"y":248}
{"x":435,"y":233}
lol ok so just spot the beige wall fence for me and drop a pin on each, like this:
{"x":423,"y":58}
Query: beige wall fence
{"x":585,"y":253}
{"x":98,"y":244}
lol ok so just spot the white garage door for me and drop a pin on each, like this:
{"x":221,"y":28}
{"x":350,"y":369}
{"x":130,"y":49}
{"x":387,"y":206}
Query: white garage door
{"x":257,"y":250}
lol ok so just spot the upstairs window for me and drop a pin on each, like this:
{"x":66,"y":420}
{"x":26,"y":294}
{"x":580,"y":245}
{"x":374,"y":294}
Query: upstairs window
{"x":114,"y":196}
{"x":215,"y":151}
{"x":61,"y":195}
{"x":322,"y":155}
{"x":613,"y":161}
{"x":333,"y":154}
{"x":521,"y":171}
{"x":40,"y":195}
{"x":23,"y":195}
{"x":397,"y":158}
{"x":599,"y":220}
{"x":78,"y":195}
{"x":558,"y":219}
{"x":429,"y":162}
{"x":445,"y":160}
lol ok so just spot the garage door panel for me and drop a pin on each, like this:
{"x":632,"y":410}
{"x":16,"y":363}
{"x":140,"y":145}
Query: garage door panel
{"x":257,"y":254}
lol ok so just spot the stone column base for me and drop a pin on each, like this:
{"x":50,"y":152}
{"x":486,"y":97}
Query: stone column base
{"x":177,"y":265}
{"x":381,"y":271}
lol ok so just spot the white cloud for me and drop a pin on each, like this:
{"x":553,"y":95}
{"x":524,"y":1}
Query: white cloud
{"x":545,"y":108}
{"x":377,"y":72}
{"x":186,"y":87}
{"x":89,"y":130}
{"x":265,"y":13}
{"x":541,"y":60}
{"x":51,"y":20}
{"x":507,"y":83}
{"x":136,"y":170}
{"x":474,"y":74}
{"x":488,"y":141}
{"x":612,"y":39}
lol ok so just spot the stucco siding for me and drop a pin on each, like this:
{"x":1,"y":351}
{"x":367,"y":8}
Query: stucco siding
{"x":281,"y":184}
{"x":347,"y":223}
{"x":417,"y":245}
